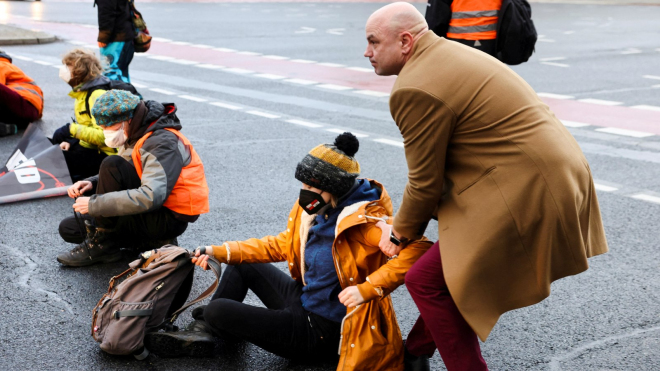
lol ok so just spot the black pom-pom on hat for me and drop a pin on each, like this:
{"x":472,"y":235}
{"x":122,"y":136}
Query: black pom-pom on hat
{"x":347,"y":143}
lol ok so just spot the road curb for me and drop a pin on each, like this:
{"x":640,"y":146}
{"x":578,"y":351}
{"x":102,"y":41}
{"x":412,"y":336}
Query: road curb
{"x":12,"y":35}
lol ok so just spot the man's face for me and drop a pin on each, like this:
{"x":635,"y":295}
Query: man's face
{"x":384,"y":49}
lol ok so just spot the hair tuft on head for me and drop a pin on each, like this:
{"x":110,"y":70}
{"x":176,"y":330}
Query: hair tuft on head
{"x":347,"y":143}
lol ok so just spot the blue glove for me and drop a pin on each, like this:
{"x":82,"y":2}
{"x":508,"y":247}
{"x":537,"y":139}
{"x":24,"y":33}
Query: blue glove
{"x":62,"y":134}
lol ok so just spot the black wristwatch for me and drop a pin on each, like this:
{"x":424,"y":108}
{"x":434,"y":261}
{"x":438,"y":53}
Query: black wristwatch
{"x":397,"y":241}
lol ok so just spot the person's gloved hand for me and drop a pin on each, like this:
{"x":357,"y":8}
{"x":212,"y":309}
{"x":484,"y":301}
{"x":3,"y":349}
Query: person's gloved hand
{"x":62,"y":134}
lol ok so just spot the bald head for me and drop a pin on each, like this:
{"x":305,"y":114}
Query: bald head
{"x":391,"y":34}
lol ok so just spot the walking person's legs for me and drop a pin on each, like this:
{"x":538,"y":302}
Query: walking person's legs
{"x":112,"y":57}
{"x":440,"y":324}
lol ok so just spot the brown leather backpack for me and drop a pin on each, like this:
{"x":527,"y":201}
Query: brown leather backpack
{"x":150,"y":298}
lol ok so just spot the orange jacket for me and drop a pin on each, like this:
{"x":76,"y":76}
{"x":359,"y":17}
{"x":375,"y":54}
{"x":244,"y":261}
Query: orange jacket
{"x":14,"y":78}
{"x":190,"y":195}
{"x":474,"y":19}
{"x":370,"y":335}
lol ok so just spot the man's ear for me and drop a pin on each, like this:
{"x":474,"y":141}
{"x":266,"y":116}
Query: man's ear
{"x":407,"y":41}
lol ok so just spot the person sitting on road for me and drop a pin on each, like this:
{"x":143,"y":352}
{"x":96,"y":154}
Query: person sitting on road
{"x":339,"y":295}
{"x":21,"y":100}
{"x":149,"y":192}
{"x":82,"y":140}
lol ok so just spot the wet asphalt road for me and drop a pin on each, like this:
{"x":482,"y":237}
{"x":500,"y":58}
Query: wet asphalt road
{"x":607,"y":318}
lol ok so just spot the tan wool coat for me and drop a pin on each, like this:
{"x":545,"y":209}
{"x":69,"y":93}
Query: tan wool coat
{"x":509,"y":185}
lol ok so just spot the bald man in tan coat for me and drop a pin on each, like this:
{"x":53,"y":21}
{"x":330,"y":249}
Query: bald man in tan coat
{"x":509,"y":185}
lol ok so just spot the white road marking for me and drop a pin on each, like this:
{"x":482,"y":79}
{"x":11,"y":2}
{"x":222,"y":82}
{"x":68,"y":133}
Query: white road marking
{"x":360,"y":69}
{"x":54,"y":66}
{"x":651,"y":77}
{"x":138,"y":85}
{"x":304,"y":123}
{"x":335,"y":31}
{"x":340,"y":131}
{"x":600,"y":101}
{"x":389,"y":141}
{"x":269,"y":76}
{"x":162,"y":91}
{"x":238,"y":70}
{"x":22,"y":58}
{"x":183,"y":61}
{"x":556,"y":64}
{"x":605,"y":188}
{"x":210,"y":66}
{"x":372,"y":93}
{"x":76,"y":42}
{"x":160,"y":57}
{"x":645,"y":107}
{"x":161,"y":39}
{"x":631,"y":51}
{"x":332,"y":65}
{"x":334,"y":87}
{"x":180,"y":43}
{"x":203,"y":46}
{"x":192,"y":98}
{"x":301,"y":81}
{"x":645,"y":197}
{"x":305,"y":30}
{"x":555,"y":96}
{"x":43,"y":63}
{"x":573,"y":124}
{"x":225,"y":105}
{"x":248,"y":53}
{"x":276,"y":57}
{"x":626,"y":132}
{"x":569,"y":32}
{"x":546,"y":40}
{"x":302,"y":61}
{"x":263,"y":114}
{"x":226,"y":50}
{"x":552,"y":59}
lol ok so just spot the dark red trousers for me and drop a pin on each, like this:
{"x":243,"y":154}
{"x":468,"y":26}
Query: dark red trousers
{"x":440,"y":325}
{"x":14,"y":109}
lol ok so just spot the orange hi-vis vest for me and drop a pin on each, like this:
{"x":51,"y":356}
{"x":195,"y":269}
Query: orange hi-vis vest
{"x":474,"y":19}
{"x":14,"y":78}
{"x":190,"y":195}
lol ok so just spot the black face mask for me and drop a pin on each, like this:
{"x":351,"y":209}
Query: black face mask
{"x":311,"y":202}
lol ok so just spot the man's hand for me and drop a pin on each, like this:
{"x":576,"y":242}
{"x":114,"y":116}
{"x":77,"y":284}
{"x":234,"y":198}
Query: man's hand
{"x":351,"y":297}
{"x":386,"y":246}
{"x":201,"y":260}
{"x":81,"y":205}
{"x":79,"y":188}
{"x":65,"y":146}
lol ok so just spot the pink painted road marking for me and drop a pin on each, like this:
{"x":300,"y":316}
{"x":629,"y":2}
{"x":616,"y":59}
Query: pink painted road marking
{"x":597,"y":115}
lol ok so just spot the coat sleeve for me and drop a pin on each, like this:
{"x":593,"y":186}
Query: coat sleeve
{"x":391,"y":275}
{"x":91,"y":134}
{"x":107,"y":15}
{"x":426,"y":124}
{"x":265,"y":250}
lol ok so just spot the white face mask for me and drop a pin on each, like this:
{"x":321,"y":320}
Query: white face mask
{"x":65,"y":74}
{"x":115,"y":138}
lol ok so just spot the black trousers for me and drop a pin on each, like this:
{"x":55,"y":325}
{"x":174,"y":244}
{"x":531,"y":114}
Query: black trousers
{"x":486,"y":46}
{"x":283,"y":327}
{"x":117,"y":174}
{"x":82,"y":162}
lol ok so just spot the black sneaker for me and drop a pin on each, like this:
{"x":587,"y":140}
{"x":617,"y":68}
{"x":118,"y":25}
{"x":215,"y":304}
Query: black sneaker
{"x":195,"y":341}
{"x":8,"y":129}
{"x":415,"y":363}
{"x":99,"y":247}
{"x":198,"y":313}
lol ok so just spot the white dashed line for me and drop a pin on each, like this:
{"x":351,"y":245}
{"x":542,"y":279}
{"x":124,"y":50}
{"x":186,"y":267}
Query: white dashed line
{"x":555,"y":64}
{"x":569,"y":32}
{"x":226,"y":50}
{"x":389,"y":141}
{"x":631,"y":51}
{"x":573,"y":124}
{"x":645,"y":197}
{"x":340,"y":131}
{"x":372,"y":93}
{"x":626,"y":132}
{"x":331,"y":65}
{"x":43,"y":63}
{"x":269,"y":76}
{"x":645,"y":107}
{"x":546,"y":40}
{"x":605,"y":188}
{"x":304,"y":123}
{"x":54,"y":66}
{"x":306,"y":61}
{"x":180,"y":43}
{"x":202,"y":46}
{"x":161,"y":39}
{"x":334,"y":87}
{"x":210,"y":66}
{"x":555,"y":96}
{"x":183,"y":61}
{"x":248,"y":53}
{"x":225,"y":105}
{"x":162,"y":91}
{"x":600,"y":101}
{"x":192,"y":98}
{"x":160,"y":57}
{"x":276,"y":57}
{"x":301,"y":81}
{"x":138,"y":85}
{"x":238,"y":70}
{"x":76,"y":42}
{"x":552,"y":59}
{"x":651,"y":77}
{"x":360,"y":69}
{"x":263,"y":114}
{"x":22,"y":58}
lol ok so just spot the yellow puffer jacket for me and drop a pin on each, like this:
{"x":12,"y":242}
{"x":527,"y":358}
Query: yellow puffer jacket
{"x":85,"y":128}
{"x":370,"y":335}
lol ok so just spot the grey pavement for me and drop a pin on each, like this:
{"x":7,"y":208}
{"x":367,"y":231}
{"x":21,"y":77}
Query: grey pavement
{"x":607,"y":318}
{"x":11,"y":35}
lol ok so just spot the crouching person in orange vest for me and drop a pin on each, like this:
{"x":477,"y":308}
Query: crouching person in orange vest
{"x":148,"y":193}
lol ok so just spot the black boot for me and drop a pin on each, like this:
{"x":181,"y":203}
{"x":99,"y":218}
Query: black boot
{"x":100,"y":246}
{"x":195,"y":341}
{"x":198,"y":313}
{"x":415,"y":363}
{"x":7,"y":129}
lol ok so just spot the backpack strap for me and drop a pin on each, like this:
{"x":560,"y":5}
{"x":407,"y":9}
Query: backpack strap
{"x":217,"y":270}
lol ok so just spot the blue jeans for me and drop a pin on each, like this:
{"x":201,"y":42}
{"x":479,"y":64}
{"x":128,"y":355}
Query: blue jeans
{"x":116,"y":57}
